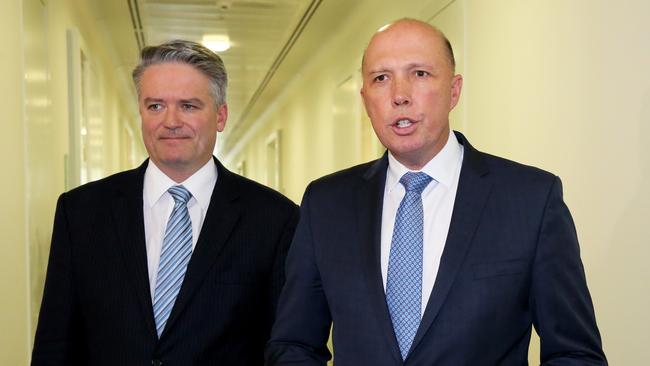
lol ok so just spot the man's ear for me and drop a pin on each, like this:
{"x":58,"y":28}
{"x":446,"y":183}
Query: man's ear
{"x":222,"y":116}
{"x":363,"y":99}
{"x":456,"y":86}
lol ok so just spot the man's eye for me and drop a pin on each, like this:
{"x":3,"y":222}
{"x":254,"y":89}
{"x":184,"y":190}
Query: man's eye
{"x":154,"y":107}
{"x":421,"y":73}
{"x":188,"y":107}
{"x":381,"y":77}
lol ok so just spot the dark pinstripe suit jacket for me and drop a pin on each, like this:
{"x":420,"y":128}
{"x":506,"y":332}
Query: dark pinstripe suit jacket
{"x":97,"y":308}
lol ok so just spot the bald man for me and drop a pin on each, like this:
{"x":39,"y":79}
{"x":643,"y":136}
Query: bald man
{"x":436,"y":253}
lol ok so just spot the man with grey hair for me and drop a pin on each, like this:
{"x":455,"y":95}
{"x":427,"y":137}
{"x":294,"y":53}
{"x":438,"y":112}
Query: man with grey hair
{"x":179,"y":261}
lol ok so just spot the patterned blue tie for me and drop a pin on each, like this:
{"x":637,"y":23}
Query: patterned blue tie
{"x":404,"y":278}
{"x":175,"y":254}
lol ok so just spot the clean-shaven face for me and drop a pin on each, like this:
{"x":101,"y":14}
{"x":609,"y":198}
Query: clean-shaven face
{"x":408,"y":90}
{"x":180,"y":119}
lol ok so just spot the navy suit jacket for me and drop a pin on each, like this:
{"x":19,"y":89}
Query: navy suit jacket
{"x":511,"y":261}
{"x":97,"y":307}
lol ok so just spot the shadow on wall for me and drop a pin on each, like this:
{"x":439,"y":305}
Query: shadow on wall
{"x":629,"y":253}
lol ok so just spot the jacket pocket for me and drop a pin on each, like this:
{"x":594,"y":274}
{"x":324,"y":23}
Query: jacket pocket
{"x":501,"y":268}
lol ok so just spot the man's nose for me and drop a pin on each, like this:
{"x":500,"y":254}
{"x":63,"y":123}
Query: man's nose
{"x":172,"y":118}
{"x":401,"y":92}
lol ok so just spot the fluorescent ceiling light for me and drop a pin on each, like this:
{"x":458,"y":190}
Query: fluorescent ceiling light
{"x":217,"y":43}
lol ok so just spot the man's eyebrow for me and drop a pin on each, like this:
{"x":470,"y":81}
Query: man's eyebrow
{"x":412,"y":65}
{"x":379,"y":70}
{"x":187,"y":100}
{"x":415,"y":65}
{"x":152,"y":100}
{"x":192,"y":101}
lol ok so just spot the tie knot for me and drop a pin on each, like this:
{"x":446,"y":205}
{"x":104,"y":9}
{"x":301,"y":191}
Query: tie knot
{"x":180,"y":194}
{"x":415,"y":182}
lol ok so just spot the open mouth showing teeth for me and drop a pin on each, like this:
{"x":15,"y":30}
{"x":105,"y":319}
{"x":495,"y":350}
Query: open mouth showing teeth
{"x":402,"y":123}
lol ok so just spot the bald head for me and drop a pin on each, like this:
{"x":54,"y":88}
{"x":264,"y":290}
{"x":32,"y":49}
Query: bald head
{"x":408,"y":25}
{"x":409,"y":88}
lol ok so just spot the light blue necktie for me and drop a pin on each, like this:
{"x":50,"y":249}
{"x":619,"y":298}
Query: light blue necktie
{"x":174,"y":257}
{"x":404,"y":278}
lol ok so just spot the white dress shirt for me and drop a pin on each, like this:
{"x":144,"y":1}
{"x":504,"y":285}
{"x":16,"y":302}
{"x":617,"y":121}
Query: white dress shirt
{"x":158,"y":205}
{"x":438,"y":204}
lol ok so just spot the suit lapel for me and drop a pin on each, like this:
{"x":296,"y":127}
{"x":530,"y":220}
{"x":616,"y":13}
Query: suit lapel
{"x":369,"y":209}
{"x":128,"y":216}
{"x":220,"y":219}
{"x":471,"y":196}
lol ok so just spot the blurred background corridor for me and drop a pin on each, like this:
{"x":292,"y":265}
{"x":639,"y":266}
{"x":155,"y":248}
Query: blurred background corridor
{"x":562,"y":85}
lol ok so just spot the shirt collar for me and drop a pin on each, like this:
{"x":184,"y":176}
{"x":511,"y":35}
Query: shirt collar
{"x":441,"y":168}
{"x":200,"y":184}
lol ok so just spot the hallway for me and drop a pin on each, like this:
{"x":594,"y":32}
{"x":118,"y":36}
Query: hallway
{"x":564,"y":86}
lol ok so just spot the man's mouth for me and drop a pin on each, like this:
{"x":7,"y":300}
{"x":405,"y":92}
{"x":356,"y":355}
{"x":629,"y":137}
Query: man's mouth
{"x":176,"y":137}
{"x":403,"y":123}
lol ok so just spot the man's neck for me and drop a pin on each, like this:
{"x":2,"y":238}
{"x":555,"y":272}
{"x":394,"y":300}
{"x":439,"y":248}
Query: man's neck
{"x":181,"y":172}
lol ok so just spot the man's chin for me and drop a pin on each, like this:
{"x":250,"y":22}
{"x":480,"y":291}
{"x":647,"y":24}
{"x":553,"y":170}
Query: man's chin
{"x":183,"y":162}
{"x":412,"y":156}
{"x":172,"y":162}
{"x":406,"y":149}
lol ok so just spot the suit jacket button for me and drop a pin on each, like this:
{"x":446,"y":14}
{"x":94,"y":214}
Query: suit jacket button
{"x":156,"y":362}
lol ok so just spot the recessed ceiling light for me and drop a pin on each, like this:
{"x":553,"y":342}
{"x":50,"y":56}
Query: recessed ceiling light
{"x":215,"y":42}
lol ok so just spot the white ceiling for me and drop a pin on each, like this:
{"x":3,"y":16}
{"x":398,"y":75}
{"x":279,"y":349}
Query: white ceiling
{"x":270,"y":39}
{"x":258,"y":30}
